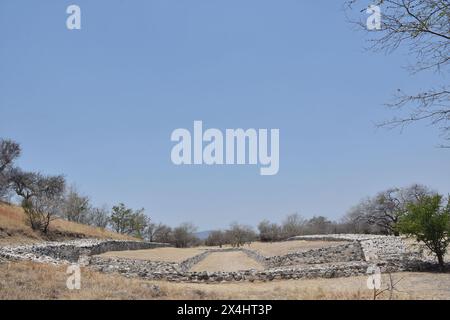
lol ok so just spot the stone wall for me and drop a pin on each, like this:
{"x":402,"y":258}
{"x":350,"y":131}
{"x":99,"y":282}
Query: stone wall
{"x":171,"y":272}
{"x":374,"y":247}
{"x":352,"y":257}
{"x":336,"y":261}
{"x":341,"y":253}
{"x":71,"y":251}
{"x":134,"y":268}
{"x":187,"y":264}
{"x":265,"y":261}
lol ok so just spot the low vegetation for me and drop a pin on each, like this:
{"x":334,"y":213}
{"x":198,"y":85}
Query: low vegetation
{"x":27,"y":280}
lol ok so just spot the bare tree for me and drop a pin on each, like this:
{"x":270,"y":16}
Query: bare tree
{"x":269,"y":232}
{"x":238,"y":235}
{"x":423,"y":27}
{"x":163,"y":234}
{"x":387,"y":207}
{"x":9,"y":151}
{"x":76,"y":207}
{"x":41,"y":196}
{"x":318,"y":225}
{"x":355,"y":222}
{"x":216,"y":238}
{"x":293,"y":225}
{"x":150,"y":231}
{"x":98,"y":217}
{"x":184,"y":235}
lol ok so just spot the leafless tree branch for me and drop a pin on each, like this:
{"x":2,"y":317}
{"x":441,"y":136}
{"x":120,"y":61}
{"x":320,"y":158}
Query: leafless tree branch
{"x":423,"y":27}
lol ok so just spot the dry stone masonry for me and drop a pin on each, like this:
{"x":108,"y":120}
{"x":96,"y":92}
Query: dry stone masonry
{"x":374,"y":247}
{"x":70,"y":251}
{"x":352,"y":257}
{"x":343,"y":253}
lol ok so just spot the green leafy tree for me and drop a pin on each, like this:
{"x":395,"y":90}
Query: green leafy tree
{"x":127,"y":221}
{"x":429,"y":222}
{"x":121,"y":218}
{"x":139,"y":223}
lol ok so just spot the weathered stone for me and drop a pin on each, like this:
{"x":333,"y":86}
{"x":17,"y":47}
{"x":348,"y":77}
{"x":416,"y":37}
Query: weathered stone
{"x":348,"y":259}
{"x":74,"y":251}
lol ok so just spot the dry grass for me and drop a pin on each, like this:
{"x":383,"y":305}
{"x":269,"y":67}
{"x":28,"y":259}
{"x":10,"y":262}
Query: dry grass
{"x":224,"y":261}
{"x":412,"y":286}
{"x":157,"y":254}
{"x":68,"y":227}
{"x":228,"y":262}
{"x":14,"y":229}
{"x":27,"y":280}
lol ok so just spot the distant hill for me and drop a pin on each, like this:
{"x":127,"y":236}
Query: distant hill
{"x":203,"y":235}
{"x":14,"y":229}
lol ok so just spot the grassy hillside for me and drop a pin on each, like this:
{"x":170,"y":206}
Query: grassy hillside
{"x":14,"y":229}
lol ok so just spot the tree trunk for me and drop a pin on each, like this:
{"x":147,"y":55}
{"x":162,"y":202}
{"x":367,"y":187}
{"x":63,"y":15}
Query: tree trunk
{"x":441,"y":262}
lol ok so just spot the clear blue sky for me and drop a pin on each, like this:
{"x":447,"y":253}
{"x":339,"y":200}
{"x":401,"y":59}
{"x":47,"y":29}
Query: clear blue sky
{"x":99,"y":105}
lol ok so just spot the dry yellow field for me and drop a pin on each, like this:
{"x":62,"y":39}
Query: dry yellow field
{"x":231,"y":261}
{"x":157,"y":254}
{"x":227,"y":262}
{"x":27,"y":280}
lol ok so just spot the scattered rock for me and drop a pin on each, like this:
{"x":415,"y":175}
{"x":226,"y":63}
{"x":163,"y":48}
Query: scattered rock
{"x":349,"y":259}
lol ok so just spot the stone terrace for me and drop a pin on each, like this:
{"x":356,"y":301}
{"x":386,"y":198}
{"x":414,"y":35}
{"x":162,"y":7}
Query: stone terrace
{"x":352,"y":257}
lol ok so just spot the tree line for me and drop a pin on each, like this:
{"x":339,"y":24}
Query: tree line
{"x":415,"y":210}
{"x":45,"y":198}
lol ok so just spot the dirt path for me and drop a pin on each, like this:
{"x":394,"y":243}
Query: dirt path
{"x":228,"y":262}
